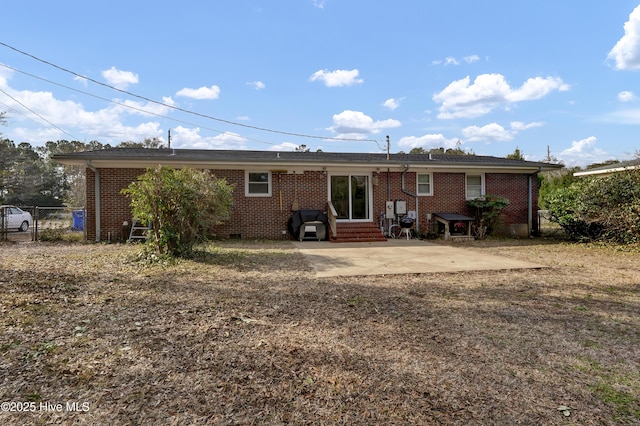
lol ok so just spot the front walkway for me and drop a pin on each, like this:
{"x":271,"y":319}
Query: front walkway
{"x":399,"y":257}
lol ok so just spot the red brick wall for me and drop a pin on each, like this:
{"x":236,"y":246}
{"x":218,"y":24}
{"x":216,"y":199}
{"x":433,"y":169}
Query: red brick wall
{"x":252,"y":217}
{"x":266,"y":217}
{"x":515,"y":188}
{"x":449,"y":195}
{"x":114,"y":206}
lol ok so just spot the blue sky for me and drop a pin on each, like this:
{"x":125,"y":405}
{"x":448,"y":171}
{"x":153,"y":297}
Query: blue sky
{"x":492,"y":75}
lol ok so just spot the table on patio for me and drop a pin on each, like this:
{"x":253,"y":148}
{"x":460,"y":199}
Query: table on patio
{"x":449,"y":219}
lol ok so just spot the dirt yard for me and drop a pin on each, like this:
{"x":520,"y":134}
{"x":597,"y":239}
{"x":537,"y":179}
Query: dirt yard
{"x":247,"y":335}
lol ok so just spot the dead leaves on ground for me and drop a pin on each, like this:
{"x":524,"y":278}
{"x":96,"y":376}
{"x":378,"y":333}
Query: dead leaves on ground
{"x":246,"y":335}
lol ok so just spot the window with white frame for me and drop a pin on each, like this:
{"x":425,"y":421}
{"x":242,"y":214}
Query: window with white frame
{"x":475,"y":186}
{"x":425,"y":183}
{"x":257,"y":184}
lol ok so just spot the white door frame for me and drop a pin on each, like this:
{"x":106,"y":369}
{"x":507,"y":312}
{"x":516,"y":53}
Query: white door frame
{"x":369,"y":195}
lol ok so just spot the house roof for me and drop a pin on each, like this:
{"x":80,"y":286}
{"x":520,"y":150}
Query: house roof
{"x":288,"y":160}
{"x":610,"y":168}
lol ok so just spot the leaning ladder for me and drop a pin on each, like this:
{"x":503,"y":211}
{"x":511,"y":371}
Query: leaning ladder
{"x":139,"y":231}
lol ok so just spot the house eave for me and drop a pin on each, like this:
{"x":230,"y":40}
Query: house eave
{"x":300,"y":166}
{"x":605,"y":172}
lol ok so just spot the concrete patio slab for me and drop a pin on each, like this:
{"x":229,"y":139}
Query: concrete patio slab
{"x":399,"y":257}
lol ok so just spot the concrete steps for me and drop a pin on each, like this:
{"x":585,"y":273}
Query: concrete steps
{"x":357,"y":232}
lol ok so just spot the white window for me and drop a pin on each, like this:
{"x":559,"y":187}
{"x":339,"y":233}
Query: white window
{"x":475,"y":186}
{"x":425,"y":183}
{"x":257,"y":184}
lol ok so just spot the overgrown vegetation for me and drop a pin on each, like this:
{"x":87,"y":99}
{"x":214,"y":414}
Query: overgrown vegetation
{"x":180,"y":204}
{"x":554,"y":180}
{"x":487,"y":214}
{"x":606,"y":208}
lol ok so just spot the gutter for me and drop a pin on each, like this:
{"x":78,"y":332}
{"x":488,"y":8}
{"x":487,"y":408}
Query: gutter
{"x":530,"y":202}
{"x":412,"y":195}
{"x":606,"y":171}
{"x":97,"y":197}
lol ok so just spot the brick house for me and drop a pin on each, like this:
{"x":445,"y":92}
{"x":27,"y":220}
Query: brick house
{"x":269,"y":185}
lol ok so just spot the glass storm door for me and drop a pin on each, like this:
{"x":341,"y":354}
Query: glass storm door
{"x":350,"y":196}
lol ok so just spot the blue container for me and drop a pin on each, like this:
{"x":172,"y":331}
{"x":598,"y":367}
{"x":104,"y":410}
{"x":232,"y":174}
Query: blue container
{"x":78,"y":220}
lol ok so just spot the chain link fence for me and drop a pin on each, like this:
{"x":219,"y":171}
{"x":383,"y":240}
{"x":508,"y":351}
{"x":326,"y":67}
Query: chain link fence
{"x":547,"y":227}
{"x":45,"y":224}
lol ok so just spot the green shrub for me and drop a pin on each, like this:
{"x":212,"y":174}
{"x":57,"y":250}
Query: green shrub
{"x":180,"y":204}
{"x":606,"y":208}
{"x":487,"y":214}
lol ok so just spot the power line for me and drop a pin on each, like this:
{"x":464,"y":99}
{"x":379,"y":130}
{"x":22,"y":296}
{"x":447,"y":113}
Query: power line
{"x":38,"y":115}
{"x":122,"y":104}
{"x":263,"y":129}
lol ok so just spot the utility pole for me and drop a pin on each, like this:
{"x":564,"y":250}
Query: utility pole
{"x":388,"y":147}
{"x":169,"y":138}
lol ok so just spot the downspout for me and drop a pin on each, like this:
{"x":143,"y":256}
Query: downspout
{"x":388,"y":171}
{"x":412,"y":195}
{"x":530,"y":202}
{"x":96,"y":172}
{"x":388,"y":184}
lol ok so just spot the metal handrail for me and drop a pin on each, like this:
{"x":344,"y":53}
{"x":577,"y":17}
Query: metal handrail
{"x":332,"y":216}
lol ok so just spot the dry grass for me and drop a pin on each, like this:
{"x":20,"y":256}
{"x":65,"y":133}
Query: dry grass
{"x":247,"y":335}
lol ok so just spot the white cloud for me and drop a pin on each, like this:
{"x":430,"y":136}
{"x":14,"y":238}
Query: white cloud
{"x":284,"y":146}
{"x":357,"y":123}
{"x":494,"y":132}
{"x":258,"y":85}
{"x":450,"y":60}
{"x":537,"y":88}
{"x":489,"y":133}
{"x":337,"y":78}
{"x":626,"y":53}
{"x":83,"y":80}
{"x":427,"y":142}
{"x":202,"y":93}
{"x":62,"y":113}
{"x":463,"y":99}
{"x":319,"y":3}
{"x":107,"y":124}
{"x":184,"y":137}
{"x":145,"y":109}
{"x":578,"y":147}
{"x":120,"y":79}
{"x":626,"y":96}
{"x":5,"y":76}
{"x":392,"y":103}
{"x":519,"y":126}
{"x":582,"y":153}
{"x":119,"y":132}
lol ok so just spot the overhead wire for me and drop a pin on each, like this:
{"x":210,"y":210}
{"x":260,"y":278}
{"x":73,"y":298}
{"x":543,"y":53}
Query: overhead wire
{"x":144,"y":111}
{"x":36,"y":114}
{"x":263,"y":129}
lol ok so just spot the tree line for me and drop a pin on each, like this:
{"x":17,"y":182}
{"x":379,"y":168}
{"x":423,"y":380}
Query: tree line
{"x":29,"y":176}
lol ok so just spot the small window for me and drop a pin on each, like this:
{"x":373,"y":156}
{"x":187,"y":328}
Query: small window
{"x":475,"y":186}
{"x":425,"y":185}
{"x":258,"y":184}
